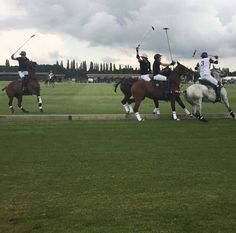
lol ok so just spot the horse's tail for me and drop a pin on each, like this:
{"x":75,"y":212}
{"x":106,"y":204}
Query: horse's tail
{"x":117,"y":84}
{"x":186,"y":96}
{"x":4,"y":88}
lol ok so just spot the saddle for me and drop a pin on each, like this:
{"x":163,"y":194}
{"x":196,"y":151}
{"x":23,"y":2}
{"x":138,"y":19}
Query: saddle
{"x":209,"y":85}
{"x":206,"y":83}
{"x":164,"y":85}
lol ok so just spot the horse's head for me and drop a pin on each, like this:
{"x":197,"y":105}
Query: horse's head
{"x":31,"y":66}
{"x":218,"y":74}
{"x":177,"y":75}
{"x":181,"y":69}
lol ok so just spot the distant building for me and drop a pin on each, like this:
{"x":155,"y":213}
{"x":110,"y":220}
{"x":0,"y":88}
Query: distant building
{"x":42,"y":76}
{"x":110,"y":77}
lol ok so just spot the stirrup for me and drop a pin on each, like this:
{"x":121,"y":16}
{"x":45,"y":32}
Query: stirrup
{"x":217,"y":100}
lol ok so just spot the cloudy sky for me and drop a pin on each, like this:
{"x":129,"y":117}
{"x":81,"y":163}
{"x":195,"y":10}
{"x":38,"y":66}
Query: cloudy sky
{"x":109,"y":30}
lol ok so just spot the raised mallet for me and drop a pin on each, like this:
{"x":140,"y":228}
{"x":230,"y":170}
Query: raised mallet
{"x":168,"y":41}
{"x":145,"y":35}
{"x":23,"y":44}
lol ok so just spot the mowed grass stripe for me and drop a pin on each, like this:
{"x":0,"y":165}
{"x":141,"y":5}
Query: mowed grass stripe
{"x":81,"y":98}
{"x":122,"y":176}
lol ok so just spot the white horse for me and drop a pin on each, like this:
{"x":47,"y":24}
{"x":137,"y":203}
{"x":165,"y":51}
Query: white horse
{"x":198,"y":93}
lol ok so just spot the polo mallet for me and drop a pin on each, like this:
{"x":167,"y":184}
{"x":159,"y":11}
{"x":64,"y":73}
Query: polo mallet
{"x":166,"y":29}
{"x":196,"y":52}
{"x":23,"y":44}
{"x":145,"y":36}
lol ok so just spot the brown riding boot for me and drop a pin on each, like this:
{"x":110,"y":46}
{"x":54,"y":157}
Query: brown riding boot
{"x":24,"y":83}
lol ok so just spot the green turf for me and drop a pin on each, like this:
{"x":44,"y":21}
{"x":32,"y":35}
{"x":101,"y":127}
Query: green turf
{"x":115,"y":176}
{"x":77,"y":98}
{"x":118,"y":177}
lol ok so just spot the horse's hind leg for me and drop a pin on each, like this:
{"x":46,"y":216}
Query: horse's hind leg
{"x":10,"y":104}
{"x":126,"y":102}
{"x":40,"y":103}
{"x":197,"y":111}
{"x":19,"y":98}
{"x":226,"y":103}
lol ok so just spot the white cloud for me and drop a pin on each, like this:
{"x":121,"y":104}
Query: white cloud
{"x":98,"y":29}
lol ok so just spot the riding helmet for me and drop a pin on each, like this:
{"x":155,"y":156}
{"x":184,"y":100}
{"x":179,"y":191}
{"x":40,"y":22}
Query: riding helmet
{"x":144,"y":55}
{"x":157,"y":56}
{"x":204,"y":55}
{"x":23,"y":53}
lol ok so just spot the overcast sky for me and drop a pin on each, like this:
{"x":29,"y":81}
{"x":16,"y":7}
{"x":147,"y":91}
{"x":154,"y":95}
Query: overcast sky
{"x":109,"y":30}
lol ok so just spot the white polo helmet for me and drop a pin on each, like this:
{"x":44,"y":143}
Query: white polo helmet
{"x":144,"y":55}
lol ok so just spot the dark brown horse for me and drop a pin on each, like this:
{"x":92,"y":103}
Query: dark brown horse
{"x":125,"y":87}
{"x":14,"y":89}
{"x":142,"y":89}
{"x":51,"y":81}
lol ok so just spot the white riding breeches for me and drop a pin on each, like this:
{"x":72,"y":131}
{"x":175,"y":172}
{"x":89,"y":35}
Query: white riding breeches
{"x":210,"y":79}
{"x":160,"y":77}
{"x":145,"y":77}
{"x":22,"y":74}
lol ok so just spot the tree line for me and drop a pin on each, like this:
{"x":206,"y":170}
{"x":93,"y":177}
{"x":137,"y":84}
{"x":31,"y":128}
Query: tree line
{"x":73,"y":69}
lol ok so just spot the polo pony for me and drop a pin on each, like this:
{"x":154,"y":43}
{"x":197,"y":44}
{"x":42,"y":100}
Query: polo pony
{"x":142,"y":89}
{"x":14,"y":89}
{"x":198,"y":93}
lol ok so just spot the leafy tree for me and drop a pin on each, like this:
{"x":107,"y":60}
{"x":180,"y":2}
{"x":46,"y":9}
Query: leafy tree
{"x":7,"y":64}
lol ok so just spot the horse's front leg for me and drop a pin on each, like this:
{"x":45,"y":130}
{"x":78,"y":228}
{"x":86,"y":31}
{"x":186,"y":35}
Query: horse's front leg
{"x":20,"y":104}
{"x":172,"y":102}
{"x":181,"y":104}
{"x":156,"y":110}
{"x":40,"y":103}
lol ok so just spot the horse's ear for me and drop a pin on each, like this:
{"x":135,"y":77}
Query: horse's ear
{"x":178,"y":63}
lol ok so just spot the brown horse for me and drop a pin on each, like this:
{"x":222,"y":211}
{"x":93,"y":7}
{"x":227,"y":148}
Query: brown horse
{"x":142,"y":89}
{"x":125,"y":87}
{"x":14,"y":89}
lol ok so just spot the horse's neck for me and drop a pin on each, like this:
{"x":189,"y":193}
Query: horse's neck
{"x":32,"y":75}
{"x":174,"y":80}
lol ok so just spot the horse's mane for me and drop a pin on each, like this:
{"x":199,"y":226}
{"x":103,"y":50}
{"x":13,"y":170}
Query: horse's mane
{"x":218,"y":74}
{"x":31,"y":65}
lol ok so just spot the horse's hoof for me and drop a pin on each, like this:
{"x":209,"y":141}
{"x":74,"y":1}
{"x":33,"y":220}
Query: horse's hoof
{"x":176,"y":119}
{"x":24,"y":111}
{"x":141,"y":120}
{"x":127,"y":115}
{"x":202,"y":119}
{"x":41,"y":110}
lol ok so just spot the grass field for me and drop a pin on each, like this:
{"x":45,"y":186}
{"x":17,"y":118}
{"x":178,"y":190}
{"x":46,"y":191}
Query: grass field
{"x":76,"y":98}
{"x":158,"y":176}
